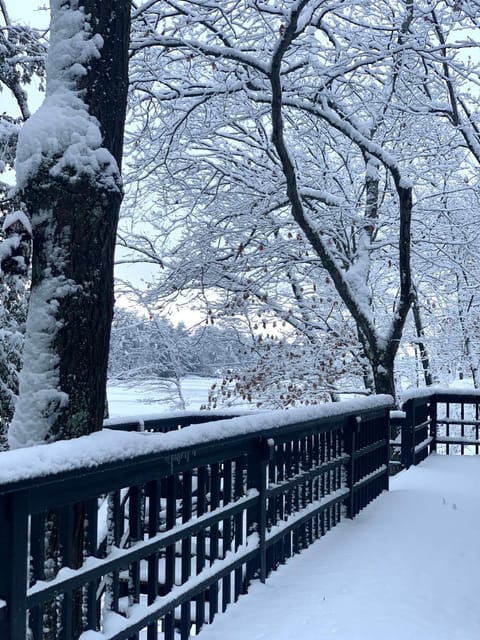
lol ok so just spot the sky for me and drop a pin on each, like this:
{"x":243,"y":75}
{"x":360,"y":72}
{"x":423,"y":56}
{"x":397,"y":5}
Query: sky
{"x":37,"y":14}
{"x":32,"y":12}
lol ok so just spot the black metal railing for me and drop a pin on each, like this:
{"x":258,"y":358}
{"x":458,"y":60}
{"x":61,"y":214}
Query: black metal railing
{"x":166,"y":422}
{"x":159,"y":532}
{"x":441,"y":421}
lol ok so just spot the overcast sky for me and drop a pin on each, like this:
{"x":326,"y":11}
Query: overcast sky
{"x":32,"y":12}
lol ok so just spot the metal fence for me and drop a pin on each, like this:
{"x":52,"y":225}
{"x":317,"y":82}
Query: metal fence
{"x":445,"y":422}
{"x":154,"y":545}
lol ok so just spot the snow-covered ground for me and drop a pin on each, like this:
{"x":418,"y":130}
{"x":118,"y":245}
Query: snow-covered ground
{"x":129,"y":400}
{"x":407,"y":568}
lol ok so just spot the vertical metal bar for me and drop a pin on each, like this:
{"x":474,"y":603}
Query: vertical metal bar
{"x":171,"y":519}
{"x":280,"y":501}
{"x":214,"y":537}
{"x":322,"y":483}
{"x":350,"y":447}
{"x":328,"y":477}
{"x":153,"y":493}
{"x":408,"y":426}
{"x":262,"y":522}
{"x":37,"y":569}
{"x":114,"y":532}
{"x":66,"y":523}
{"x":227,"y":532}
{"x":476,"y":427}
{"x":135,"y":535}
{"x":91,"y":534}
{"x":386,"y":434}
{"x":200,"y":551}
{"x":239,"y":492}
{"x":14,"y":562}
{"x":447,"y":427}
{"x":316,"y":482}
{"x":306,"y":528}
{"x":272,"y":553}
{"x":185,"y":615}
{"x":433,"y":424}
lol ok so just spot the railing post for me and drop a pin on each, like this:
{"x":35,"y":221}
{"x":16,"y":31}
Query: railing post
{"x":257,"y":518}
{"x":408,"y":428}
{"x":13,"y":567}
{"x":387,"y":431}
{"x":433,"y":424}
{"x":351,"y":430}
{"x":5,"y":568}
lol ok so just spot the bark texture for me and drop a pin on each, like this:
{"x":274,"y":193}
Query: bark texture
{"x":74,"y":232}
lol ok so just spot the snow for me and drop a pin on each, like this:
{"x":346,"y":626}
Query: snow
{"x":456,"y":388}
{"x":67,"y":139}
{"x":140,"y":400}
{"x":406,"y":568}
{"x":7,"y":246}
{"x":14,"y":217}
{"x":39,"y":399}
{"x":114,"y":623}
{"x":62,"y":130}
{"x":109,"y":446}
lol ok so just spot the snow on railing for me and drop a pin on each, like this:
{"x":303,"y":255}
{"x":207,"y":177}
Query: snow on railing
{"x":440,"y":420}
{"x":116,"y":532}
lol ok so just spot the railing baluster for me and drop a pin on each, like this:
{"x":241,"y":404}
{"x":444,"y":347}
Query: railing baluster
{"x":185,"y":615}
{"x":280,"y":500}
{"x":476,"y":426}
{"x":153,"y":493}
{"x":14,"y":565}
{"x":37,"y":570}
{"x":214,"y":537}
{"x":135,"y":522}
{"x":240,"y":468}
{"x":66,"y":554}
{"x":170,"y":564}
{"x":227,"y":532}
{"x":200,"y":546}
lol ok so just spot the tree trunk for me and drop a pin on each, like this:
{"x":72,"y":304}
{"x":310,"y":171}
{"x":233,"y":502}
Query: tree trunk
{"x":72,"y":191}
{"x":383,"y":374}
{"x":74,"y":204}
{"x":424,"y":357}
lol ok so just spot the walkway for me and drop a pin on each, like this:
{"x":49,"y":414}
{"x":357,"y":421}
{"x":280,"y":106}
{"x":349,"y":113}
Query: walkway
{"x":408,"y":567}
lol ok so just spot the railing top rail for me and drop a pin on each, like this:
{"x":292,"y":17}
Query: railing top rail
{"x":440,"y":394}
{"x":103,"y":451}
{"x":174,"y":418}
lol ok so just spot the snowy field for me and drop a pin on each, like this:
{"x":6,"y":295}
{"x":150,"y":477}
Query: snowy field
{"x":128,"y":400}
{"x":407,"y":568}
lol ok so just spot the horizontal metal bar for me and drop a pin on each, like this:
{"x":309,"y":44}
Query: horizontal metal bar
{"x":70,"y":579}
{"x":300,"y":478}
{"x":460,"y":421}
{"x":111,"y":475}
{"x":454,"y":440}
{"x":183,"y":593}
{"x":421,"y":445}
{"x":422,"y":425}
{"x":370,"y":477}
{"x":305,"y":514}
{"x":378,"y":444}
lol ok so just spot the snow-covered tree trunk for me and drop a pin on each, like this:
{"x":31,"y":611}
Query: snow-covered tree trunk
{"x":68,"y":176}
